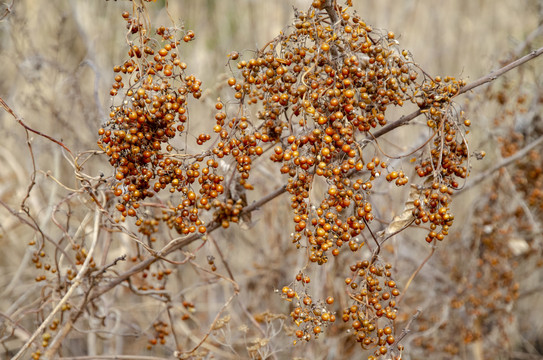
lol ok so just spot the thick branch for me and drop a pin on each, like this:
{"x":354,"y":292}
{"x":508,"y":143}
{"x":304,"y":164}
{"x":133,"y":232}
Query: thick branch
{"x":329,"y":6}
{"x":257,"y":204}
{"x":401,"y":121}
{"x":497,"y":73}
{"x":179,"y":244}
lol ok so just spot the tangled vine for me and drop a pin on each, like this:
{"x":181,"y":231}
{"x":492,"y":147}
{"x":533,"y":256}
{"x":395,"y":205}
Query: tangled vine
{"x":316,"y":104}
{"x":314,"y":97}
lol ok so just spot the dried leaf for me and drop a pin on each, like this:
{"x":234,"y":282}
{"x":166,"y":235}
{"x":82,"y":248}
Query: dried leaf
{"x":406,"y":217}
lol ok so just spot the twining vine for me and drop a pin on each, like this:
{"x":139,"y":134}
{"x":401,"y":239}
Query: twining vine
{"x":314,"y":101}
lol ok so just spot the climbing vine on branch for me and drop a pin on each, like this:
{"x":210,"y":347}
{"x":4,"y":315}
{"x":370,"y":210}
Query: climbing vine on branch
{"x":320,"y":105}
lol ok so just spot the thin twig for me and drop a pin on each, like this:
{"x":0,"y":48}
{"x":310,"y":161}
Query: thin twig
{"x":33,"y":225}
{"x":76,"y":283}
{"x":21,"y":122}
{"x":405,"y":330}
{"x":223,"y":260}
{"x":227,"y":266}
{"x":415,"y":274}
{"x":224,"y":306}
{"x":172,"y":326}
{"x":8,"y":10}
{"x":112,"y":264}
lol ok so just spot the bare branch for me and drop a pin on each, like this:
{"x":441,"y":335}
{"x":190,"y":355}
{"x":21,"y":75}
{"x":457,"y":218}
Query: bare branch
{"x":180,"y":243}
{"x":415,"y":273}
{"x":508,"y":160}
{"x":497,"y":73}
{"x":481,"y":81}
{"x":393,"y":125}
{"x":406,"y":330}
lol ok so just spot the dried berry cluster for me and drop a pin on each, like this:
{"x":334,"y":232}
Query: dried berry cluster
{"x":432,"y":208}
{"x":313,"y":97}
{"x":138,"y":137}
{"x":327,"y":85}
{"x":373,"y":313}
{"x":310,"y":316}
{"x":161,"y":331}
{"x":323,"y":87}
{"x":501,"y":249}
{"x":446,"y":163}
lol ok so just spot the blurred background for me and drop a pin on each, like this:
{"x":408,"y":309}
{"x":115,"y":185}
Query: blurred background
{"x":56,"y":71}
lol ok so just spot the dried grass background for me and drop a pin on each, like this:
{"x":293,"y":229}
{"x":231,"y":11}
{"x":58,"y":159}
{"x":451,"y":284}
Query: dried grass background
{"x":56,"y":70}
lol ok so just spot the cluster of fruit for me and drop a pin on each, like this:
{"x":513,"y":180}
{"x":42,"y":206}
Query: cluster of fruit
{"x":375,"y":308}
{"x":137,"y":138}
{"x":312,"y":97}
{"x":310,"y":316}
